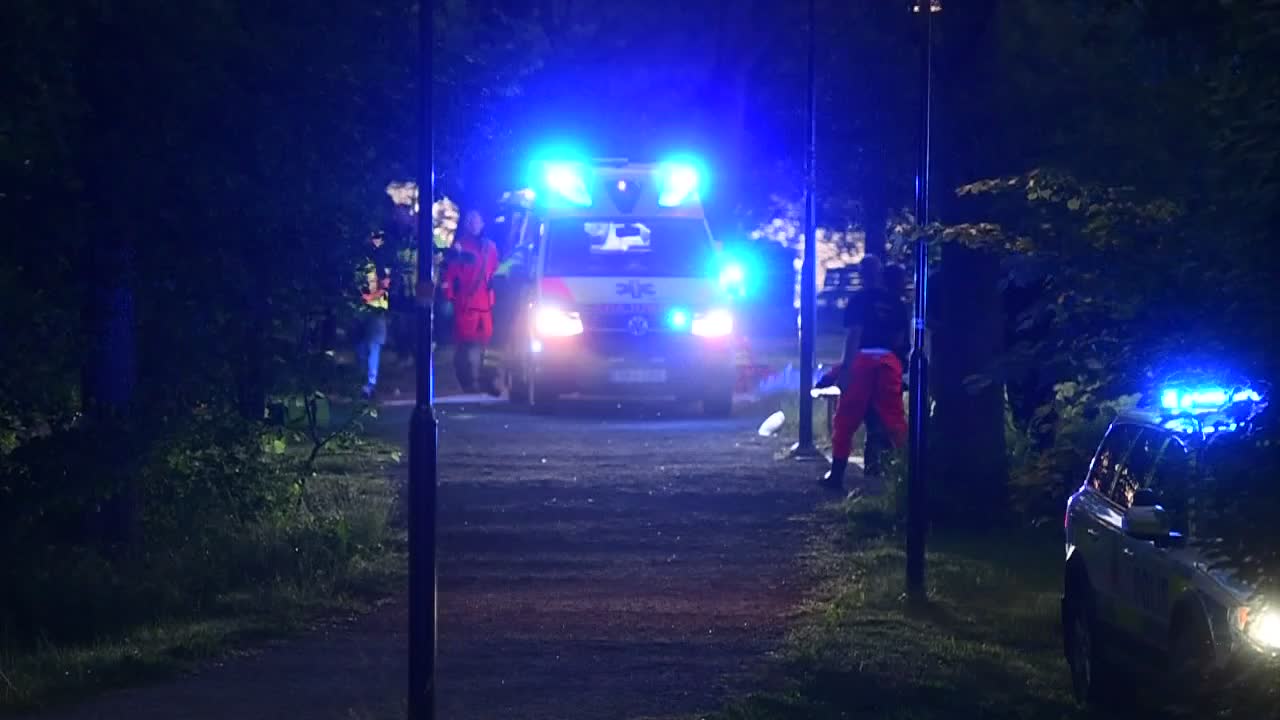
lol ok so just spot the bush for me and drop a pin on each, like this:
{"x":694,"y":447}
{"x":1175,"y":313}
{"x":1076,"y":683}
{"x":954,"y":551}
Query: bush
{"x":1049,"y":458}
{"x":219,"y":517}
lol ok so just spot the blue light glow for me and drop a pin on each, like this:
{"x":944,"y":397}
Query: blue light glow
{"x":1197,"y":400}
{"x":679,"y":183}
{"x":678,"y":319}
{"x":568,"y":180}
{"x":1205,"y":399}
{"x":1246,"y":396}
{"x":1182,"y":425}
{"x":734,"y":273}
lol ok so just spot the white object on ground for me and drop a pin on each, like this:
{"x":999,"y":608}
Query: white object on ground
{"x":772,"y":424}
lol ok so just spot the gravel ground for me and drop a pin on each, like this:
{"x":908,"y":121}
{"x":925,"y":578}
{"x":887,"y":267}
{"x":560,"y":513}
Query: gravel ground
{"x":603,"y":563}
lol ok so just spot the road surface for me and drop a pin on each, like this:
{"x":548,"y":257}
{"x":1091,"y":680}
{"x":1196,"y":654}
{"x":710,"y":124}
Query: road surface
{"x":603,"y":563}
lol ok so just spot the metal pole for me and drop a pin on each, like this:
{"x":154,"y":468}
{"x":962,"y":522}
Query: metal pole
{"x":422,"y":427}
{"x":809,"y":271}
{"x":917,"y":492}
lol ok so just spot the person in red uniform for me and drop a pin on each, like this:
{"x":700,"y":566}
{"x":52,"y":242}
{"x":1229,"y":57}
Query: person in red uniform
{"x":468,"y":284}
{"x":870,"y":376}
{"x":895,"y":283}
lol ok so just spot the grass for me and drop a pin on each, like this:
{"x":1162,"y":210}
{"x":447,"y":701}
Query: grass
{"x":350,"y":491}
{"x":985,"y":645}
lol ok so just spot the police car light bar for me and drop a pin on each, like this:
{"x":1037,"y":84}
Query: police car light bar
{"x":1208,"y":410}
{"x":1202,"y":400}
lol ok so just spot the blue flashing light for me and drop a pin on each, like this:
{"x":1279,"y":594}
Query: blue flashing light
{"x":678,"y":182}
{"x":1246,"y":396}
{"x":732,"y":275}
{"x":568,"y":181}
{"x":1197,"y":400}
{"x":678,"y":319}
{"x":1202,"y":400}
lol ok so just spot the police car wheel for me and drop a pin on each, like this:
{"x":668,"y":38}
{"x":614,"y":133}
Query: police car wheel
{"x":1191,"y":656}
{"x":1085,"y":653}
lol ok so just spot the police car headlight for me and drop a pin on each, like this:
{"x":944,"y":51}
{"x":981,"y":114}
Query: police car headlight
{"x":715,"y":323}
{"x":1262,"y":627}
{"x":554,"y":322}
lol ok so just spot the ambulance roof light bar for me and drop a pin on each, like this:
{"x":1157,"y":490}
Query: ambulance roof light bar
{"x":568,"y":181}
{"x":679,"y":182}
{"x":613,"y":162}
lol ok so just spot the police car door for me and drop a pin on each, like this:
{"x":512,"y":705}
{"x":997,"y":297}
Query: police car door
{"x":1142,"y":585}
{"x":1161,"y":571}
{"x":1096,"y":521}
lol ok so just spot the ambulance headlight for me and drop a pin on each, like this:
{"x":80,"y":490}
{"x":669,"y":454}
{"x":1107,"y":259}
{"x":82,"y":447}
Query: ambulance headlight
{"x":554,"y":322}
{"x":713,"y":324}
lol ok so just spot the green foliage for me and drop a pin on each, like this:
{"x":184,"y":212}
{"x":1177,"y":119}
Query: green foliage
{"x":986,"y":645}
{"x":1165,"y":273}
{"x":1238,"y":505}
{"x":1049,"y":458}
{"x":220,"y":516}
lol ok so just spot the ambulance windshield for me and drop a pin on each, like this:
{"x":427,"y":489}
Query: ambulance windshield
{"x":656,"y":247}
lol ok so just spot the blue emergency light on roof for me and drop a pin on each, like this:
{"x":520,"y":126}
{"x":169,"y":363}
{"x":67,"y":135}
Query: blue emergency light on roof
{"x":678,"y":183}
{"x":1204,"y":399}
{"x":568,"y":181}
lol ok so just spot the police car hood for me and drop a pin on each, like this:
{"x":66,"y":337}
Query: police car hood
{"x":578,"y":291}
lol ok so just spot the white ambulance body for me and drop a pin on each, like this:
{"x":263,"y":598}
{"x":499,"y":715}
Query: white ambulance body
{"x":626,"y":293}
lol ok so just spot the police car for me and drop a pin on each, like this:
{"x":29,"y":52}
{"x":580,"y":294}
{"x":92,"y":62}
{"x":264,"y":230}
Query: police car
{"x":628,"y":294}
{"x":1137,"y":583}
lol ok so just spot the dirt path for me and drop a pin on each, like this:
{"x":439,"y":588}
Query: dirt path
{"x":605,"y":564}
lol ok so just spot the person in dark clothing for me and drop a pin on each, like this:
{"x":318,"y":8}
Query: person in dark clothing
{"x":894,"y":278}
{"x":375,"y":283}
{"x":870,"y":376}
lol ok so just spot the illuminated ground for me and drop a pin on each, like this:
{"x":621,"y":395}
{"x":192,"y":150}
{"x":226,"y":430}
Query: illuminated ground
{"x":605,"y":563}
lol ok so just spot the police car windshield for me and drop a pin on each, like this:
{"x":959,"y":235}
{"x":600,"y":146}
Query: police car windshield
{"x":658,"y":247}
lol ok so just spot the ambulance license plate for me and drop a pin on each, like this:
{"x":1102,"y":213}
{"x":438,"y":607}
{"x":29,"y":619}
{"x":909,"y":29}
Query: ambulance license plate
{"x":638,"y":375}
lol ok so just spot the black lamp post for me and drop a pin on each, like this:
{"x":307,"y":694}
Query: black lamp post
{"x":917,"y":491}
{"x":422,"y":427}
{"x":805,"y":448}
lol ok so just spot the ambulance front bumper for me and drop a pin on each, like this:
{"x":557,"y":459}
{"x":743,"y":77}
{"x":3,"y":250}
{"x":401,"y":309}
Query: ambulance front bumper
{"x":620,"y":364}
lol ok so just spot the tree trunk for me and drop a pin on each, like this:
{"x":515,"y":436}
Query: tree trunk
{"x":970,"y":465}
{"x":109,"y":371}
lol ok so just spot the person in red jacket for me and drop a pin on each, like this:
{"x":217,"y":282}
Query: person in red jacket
{"x":870,"y":376}
{"x":468,"y":285}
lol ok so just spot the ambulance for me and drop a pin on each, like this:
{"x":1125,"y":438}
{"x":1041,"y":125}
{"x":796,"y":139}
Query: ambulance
{"x":627,"y":294}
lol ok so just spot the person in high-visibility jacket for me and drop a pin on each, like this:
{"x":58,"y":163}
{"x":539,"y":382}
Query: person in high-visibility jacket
{"x":375,"y":303}
{"x":468,"y":285}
